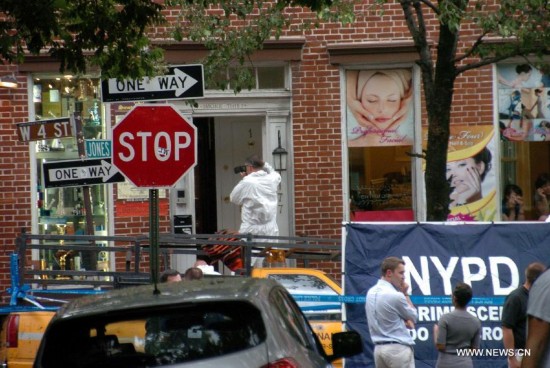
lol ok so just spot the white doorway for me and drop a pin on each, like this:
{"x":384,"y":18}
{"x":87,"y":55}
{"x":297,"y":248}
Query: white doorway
{"x":236,"y":139}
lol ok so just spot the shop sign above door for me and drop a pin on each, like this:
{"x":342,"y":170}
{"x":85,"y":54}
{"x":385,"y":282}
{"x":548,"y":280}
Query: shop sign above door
{"x":181,"y":82}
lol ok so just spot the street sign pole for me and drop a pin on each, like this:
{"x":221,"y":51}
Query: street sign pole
{"x":154,"y":236}
{"x":77,"y":116}
{"x":154,"y":146}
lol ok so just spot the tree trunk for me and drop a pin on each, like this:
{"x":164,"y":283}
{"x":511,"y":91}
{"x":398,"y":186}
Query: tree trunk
{"x":439,"y":97}
{"x":437,"y":186}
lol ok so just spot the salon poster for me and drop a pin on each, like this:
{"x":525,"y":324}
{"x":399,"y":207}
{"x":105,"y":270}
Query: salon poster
{"x":379,"y":107}
{"x":523,"y":103}
{"x":471,"y":173}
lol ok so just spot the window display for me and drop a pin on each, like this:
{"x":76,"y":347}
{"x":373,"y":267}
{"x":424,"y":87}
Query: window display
{"x":380,"y":133}
{"x":524,"y":124}
{"x":63,"y":210}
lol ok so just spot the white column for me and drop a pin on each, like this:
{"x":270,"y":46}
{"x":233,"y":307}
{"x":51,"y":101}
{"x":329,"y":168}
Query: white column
{"x":279,"y":121}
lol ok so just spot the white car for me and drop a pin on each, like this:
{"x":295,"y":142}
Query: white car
{"x":218,"y":322}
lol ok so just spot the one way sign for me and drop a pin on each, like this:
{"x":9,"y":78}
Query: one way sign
{"x":74,"y":173}
{"x":181,"y":82}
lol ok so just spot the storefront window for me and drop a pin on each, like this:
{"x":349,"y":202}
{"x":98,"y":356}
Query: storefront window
{"x":380,"y":183}
{"x":62,"y":208}
{"x":380,"y":133}
{"x":524,"y":122}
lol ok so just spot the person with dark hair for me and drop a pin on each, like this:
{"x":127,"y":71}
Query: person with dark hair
{"x":514,"y":312}
{"x":465,"y":177}
{"x":457,"y":330}
{"x":512,"y":203}
{"x":390,"y":315}
{"x":523,"y":73}
{"x":256,"y":193}
{"x":542,"y":196}
{"x":193,"y":273}
{"x":170,"y":275}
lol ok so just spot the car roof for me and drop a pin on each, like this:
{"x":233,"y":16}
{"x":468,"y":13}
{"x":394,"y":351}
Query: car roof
{"x":208,"y":289}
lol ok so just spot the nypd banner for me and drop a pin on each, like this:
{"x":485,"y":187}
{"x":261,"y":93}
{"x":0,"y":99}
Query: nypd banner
{"x":490,"y":257}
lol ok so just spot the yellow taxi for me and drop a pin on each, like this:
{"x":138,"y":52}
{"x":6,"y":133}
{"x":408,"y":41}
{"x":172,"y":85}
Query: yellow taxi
{"x":310,"y":288}
{"x":20,"y":337}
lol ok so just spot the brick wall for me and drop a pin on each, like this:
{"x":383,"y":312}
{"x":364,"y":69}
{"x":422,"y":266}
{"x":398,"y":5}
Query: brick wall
{"x":15,"y":186}
{"x":316,"y":130}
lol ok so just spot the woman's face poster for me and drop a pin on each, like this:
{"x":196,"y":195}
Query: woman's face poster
{"x":379,"y":107}
{"x":470,"y":173}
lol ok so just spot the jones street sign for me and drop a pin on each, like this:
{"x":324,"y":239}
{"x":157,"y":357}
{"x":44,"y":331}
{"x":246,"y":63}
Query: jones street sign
{"x":99,"y":148}
{"x":74,"y":173}
{"x":181,"y":82}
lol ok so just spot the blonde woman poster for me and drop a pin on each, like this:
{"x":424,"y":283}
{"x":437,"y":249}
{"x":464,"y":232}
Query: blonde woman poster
{"x":379,"y":107}
{"x":471,"y":173}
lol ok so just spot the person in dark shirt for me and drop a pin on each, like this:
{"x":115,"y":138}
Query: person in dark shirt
{"x":514,"y":314}
{"x":457,"y":330}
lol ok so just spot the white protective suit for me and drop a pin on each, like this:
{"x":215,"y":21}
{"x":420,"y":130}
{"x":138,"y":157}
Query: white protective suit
{"x":256,"y":193}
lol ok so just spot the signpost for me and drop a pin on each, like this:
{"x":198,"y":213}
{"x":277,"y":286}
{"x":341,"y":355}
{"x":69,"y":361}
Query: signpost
{"x":74,"y":173}
{"x":181,"y":82}
{"x":154,"y":146}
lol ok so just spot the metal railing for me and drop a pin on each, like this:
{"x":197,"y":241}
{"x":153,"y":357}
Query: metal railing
{"x":135,"y":248}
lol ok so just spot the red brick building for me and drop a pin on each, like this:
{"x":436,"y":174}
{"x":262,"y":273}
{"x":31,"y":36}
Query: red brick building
{"x":338,"y":169}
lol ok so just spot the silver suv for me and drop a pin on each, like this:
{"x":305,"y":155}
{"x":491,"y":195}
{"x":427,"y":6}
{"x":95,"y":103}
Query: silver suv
{"x":221,"y":322}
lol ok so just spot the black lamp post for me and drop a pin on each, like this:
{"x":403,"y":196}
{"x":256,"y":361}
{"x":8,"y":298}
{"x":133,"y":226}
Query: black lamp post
{"x":279,"y":156}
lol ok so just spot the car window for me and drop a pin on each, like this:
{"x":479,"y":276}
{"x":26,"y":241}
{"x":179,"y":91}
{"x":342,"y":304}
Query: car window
{"x":154,"y":337}
{"x":316,"y":287}
{"x":293,"y":320}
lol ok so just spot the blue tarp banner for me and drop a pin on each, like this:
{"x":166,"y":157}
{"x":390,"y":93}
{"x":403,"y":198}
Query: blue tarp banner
{"x":490,"y":257}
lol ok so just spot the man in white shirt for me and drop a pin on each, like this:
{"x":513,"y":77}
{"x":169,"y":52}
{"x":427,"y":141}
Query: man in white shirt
{"x":390,"y":315}
{"x":256,"y":193}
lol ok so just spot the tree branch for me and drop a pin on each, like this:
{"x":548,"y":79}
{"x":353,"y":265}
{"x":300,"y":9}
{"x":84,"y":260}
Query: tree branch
{"x":472,"y":49}
{"x":492,"y":60}
{"x":409,"y":19}
{"x":417,"y":155}
{"x":421,"y":41}
{"x":431,"y":5}
{"x":482,"y":62}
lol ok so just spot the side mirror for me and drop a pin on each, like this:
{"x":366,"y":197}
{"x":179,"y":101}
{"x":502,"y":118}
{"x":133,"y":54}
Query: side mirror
{"x":346,"y":344}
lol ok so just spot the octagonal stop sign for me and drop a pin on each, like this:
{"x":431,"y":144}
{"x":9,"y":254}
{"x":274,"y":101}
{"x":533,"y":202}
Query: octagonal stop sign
{"x":154,"y":146}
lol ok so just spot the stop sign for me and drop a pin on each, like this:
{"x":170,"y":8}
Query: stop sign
{"x":154,"y":146}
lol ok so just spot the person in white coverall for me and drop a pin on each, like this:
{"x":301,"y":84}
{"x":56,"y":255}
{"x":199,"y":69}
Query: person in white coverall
{"x":256,"y":193}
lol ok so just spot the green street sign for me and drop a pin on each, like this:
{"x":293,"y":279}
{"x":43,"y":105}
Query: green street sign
{"x":99,"y":148}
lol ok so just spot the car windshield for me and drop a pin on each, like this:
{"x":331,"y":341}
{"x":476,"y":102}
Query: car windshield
{"x":154,"y":337}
